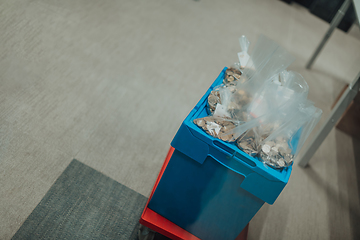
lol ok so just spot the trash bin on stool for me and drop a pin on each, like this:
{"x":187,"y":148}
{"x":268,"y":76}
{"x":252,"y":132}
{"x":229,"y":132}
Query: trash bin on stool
{"x":211,"y":188}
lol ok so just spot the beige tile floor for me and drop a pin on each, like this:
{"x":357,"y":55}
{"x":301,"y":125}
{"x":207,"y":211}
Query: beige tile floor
{"x":109,"y":83}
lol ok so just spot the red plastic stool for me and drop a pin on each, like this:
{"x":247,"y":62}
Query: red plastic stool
{"x":157,"y":223}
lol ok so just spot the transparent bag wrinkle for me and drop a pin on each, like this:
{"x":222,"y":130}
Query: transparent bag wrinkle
{"x":243,"y":56}
{"x":261,"y":107}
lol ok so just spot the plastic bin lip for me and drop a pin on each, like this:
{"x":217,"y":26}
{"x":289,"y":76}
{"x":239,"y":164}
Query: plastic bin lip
{"x":261,"y":168}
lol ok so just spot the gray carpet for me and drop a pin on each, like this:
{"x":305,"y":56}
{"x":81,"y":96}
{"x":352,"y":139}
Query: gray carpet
{"x":109,"y":83}
{"x":84,"y":204}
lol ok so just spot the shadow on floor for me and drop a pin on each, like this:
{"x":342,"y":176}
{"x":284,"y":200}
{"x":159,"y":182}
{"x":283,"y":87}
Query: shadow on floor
{"x":258,"y":222}
{"x":346,"y":198}
{"x":354,"y":216}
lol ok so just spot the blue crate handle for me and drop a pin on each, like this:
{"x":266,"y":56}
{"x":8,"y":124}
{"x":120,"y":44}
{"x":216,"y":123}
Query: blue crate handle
{"x":232,"y":160}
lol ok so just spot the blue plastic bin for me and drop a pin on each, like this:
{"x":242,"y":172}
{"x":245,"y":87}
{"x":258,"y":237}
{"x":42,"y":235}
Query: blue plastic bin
{"x":211,"y":188}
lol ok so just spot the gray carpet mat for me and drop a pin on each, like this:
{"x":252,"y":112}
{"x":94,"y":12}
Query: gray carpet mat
{"x":84,"y":204}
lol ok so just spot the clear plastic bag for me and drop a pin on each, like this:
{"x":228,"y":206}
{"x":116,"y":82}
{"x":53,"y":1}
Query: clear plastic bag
{"x":218,"y":127}
{"x":284,"y":89}
{"x":227,"y":104}
{"x":226,"y":113}
{"x":247,"y":142}
{"x":272,"y":108}
{"x":267,"y":59}
{"x":253,"y":132}
{"x":280,"y":147}
{"x":227,"y":101}
{"x":214,"y":98}
{"x":231,"y":100}
{"x":262,"y":107}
